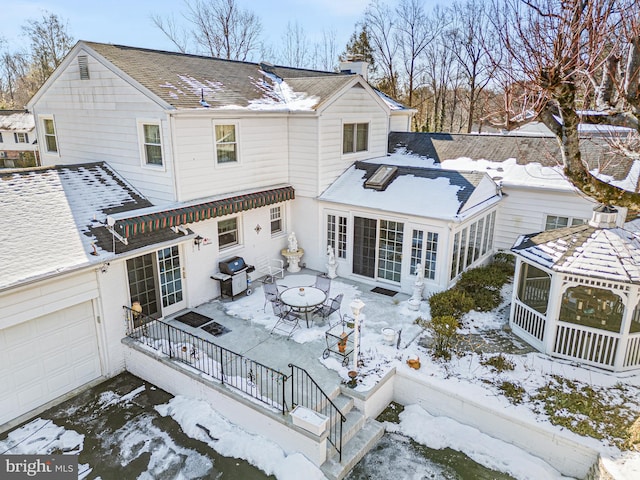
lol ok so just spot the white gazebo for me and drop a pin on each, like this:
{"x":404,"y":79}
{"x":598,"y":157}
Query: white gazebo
{"x":577,"y":291}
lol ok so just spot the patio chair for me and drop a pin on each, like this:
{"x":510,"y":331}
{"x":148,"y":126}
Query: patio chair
{"x":271,"y":294}
{"x":288,"y":321}
{"x":323,"y":283}
{"x":270,"y":268}
{"x":328,"y":308}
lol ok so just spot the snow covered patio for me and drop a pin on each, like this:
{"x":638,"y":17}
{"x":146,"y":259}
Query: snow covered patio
{"x":466,"y":389}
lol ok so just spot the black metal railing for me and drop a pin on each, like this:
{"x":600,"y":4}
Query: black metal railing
{"x":307,"y":393}
{"x":232,"y":369}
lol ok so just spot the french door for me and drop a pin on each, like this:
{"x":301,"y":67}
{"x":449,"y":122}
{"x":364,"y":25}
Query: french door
{"x":377,"y":248}
{"x":155,"y":280}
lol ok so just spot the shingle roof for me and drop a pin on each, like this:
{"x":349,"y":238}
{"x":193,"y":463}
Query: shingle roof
{"x":607,"y":253}
{"x":48,"y":219}
{"x":425,"y":192}
{"x":181,"y":79}
{"x":19,"y":120}
{"x":498,"y":148}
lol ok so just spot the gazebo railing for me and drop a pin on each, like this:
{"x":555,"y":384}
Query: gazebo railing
{"x":632,"y":354}
{"x":529,"y":320}
{"x":589,"y":345}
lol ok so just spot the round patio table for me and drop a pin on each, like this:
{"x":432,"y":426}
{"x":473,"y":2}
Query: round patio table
{"x":303,"y":299}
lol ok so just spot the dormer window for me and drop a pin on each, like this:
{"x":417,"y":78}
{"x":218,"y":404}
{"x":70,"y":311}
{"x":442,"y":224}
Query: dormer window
{"x":381,"y":178}
{"x":355,"y":137}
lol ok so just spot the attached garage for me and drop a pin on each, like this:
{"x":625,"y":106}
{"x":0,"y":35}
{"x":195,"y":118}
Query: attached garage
{"x":46,"y":357}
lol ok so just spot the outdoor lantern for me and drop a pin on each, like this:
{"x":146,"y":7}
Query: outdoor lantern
{"x":356,"y":307}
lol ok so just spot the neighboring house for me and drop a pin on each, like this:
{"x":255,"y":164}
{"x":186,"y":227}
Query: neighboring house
{"x":18,"y":146}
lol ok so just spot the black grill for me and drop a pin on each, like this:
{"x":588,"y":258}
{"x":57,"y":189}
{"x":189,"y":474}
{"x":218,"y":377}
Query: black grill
{"x":232,"y":265}
{"x":233,"y":277}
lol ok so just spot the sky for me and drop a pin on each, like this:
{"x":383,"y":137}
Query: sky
{"x":128,"y":22}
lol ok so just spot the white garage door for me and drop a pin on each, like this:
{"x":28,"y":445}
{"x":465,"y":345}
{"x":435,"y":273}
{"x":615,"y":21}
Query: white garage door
{"x":45,"y":358}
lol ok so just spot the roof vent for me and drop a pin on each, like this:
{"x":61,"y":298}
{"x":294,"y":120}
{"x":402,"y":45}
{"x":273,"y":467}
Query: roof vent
{"x":604,"y":216}
{"x":83,"y":65}
{"x":381,"y":178}
{"x":267,"y":67}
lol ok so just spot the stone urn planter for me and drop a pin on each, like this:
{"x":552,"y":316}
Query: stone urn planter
{"x":388,"y":335}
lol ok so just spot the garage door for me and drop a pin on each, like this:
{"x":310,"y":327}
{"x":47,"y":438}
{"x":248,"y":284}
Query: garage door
{"x":47,"y":357}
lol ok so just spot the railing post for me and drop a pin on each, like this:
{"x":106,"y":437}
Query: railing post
{"x":169,"y":340}
{"x":221,"y":365}
{"x":292,"y":385}
{"x":284,"y":399}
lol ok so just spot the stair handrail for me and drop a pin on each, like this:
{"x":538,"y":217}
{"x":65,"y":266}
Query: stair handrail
{"x":326,"y":407}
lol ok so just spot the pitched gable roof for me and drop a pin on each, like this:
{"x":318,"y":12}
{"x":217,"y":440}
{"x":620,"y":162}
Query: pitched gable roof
{"x":182,"y":80}
{"x":48,"y":214}
{"x":412,"y":190}
{"x":526,"y":150}
{"x":608,"y":253}
{"x":16,"y":120}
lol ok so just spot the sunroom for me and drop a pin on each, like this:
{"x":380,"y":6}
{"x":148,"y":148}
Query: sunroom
{"x":577,"y":291}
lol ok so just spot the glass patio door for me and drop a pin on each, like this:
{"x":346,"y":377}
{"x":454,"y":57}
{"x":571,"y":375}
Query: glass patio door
{"x":170,"y":271}
{"x":155,"y":280}
{"x":364,"y":246}
{"x":377,"y":248}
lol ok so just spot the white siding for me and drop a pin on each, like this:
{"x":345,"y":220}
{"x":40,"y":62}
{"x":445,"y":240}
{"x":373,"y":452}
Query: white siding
{"x":355,"y":106}
{"x":263,"y":155}
{"x":523,"y":211}
{"x":400,"y":122}
{"x":304,"y":154}
{"x":96,"y":120}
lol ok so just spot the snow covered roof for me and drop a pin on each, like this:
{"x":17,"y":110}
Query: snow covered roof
{"x":183,"y":80}
{"x":607,"y":253}
{"x":414,"y":190}
{"x":16,"y":120}
{"x":515,"y":160}
{"x":48,"y":219}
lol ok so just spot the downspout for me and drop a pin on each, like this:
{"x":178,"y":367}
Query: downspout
{"x":174,"y":170}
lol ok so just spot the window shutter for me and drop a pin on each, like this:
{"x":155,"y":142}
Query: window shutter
{"x":83,"y":65}
{"x":26,"y":138}
{"x":15,"y":137}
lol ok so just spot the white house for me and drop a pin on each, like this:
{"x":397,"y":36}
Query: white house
{"x":18,"y":146}
{"x":157,"y":166}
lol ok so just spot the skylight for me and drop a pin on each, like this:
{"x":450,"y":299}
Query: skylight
{"x":381,"y":178}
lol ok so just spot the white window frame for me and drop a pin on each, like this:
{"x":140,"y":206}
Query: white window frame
{"x":238,"y":229}
{"x":355,"y":137}
{"x":45,"y":147}
{"x":22,"y":137}
{"x":142,"y":144}
{"x":276,"y":213}
{"x":236,"y":125}
{"x":571,"y":221}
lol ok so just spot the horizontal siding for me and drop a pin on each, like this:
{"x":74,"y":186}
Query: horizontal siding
{"x":304,"y":154}
{"x":355,"y":106}
{"x":263,"y":155}
{"x":29,"y":302}
{"x":96,"y":120}
{"x":523,"y":211}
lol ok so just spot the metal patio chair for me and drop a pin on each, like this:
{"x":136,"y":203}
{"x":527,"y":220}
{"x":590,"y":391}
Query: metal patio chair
{"x":288,"y":321}
{"x":271,"y":294}
{"x":323,"y":283}
{"x":328,"y":308}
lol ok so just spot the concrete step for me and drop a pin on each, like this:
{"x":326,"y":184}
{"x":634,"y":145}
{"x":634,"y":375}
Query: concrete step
{"x":353,"y":450}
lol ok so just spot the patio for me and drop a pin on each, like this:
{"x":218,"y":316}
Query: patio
{"x":249,"y":324}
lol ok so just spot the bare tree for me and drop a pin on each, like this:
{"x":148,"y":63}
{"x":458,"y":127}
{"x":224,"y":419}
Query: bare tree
{"x":296,"y":48}
{"x":415,"y":30}
{"x":570,"y":56}
{"x":49,"y":42}
{"x":465,"y":39}
{"x":378,"y":19}
{"x":219,"y":28}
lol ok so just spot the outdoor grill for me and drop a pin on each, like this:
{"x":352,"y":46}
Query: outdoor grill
{"x":233,"y":277}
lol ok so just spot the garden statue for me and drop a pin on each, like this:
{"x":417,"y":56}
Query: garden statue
{"x":293,"y":242}
{"x":418,"y":286}
{"x":331,"y":263}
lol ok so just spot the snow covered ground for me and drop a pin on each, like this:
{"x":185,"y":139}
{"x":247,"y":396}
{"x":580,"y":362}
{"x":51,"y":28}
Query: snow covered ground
{"x":464,"y":374}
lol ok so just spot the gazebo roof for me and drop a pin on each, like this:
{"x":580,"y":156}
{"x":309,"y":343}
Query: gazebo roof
{"x":606,"y":253}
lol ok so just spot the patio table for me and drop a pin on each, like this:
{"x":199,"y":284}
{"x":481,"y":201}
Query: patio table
{"x":303,"y":299}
